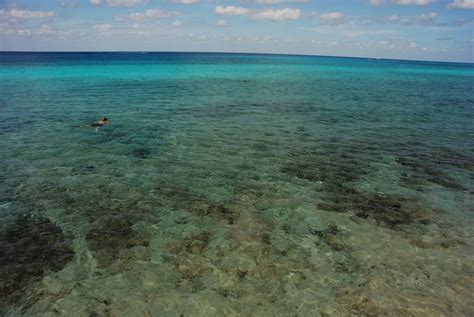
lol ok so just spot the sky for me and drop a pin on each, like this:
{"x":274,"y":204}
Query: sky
{"x":438,"y":30}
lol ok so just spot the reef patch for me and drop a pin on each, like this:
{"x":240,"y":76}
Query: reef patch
{"x":194,"y":244}
{"x":335,"y":177}
{"x":29,"y":248}
{"x":83,"y":170}
{"x":217,"y":211}
{"x":141,"y":153}
{"x":433,"y":164}
{"x":111,"y":234}
{"x":388,"y":210}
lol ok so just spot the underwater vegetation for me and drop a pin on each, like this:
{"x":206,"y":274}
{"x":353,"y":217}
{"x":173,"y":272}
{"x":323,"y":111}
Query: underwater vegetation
{"x":432,"y":168}
{"x":82,"y":170}
{"x":141,"y":153}
{"x":217,"y":211}
{"x":110,"y":234}
{"x":29,"y":248}
{"x":335,"y":178}
{"x":390,"y":211}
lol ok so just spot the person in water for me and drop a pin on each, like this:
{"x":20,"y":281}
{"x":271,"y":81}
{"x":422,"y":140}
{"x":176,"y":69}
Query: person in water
{"x":98,"y":124}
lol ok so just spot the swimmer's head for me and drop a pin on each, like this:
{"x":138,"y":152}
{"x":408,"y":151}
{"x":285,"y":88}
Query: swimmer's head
{"x":105,"y":120}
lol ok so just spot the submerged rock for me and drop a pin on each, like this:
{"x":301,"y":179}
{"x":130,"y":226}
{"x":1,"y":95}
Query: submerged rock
{"x":303,"y":171}
{"x":332,"y":169}
{"x":358,"y":303}
{"x":194,"y":244}
{"x":29,"y":248}
{"x":83,"y":170}
{"x":141,"y":153}
{"x":113,"y":233}
{"x":336,"y":176}
{"x":384,"y":209}
{"x":431,"y":167}
{"x":214,"y":210}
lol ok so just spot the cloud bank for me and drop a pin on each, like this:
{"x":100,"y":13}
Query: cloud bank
{"x":25,"y":14}
{"x":266,"y":14}
{"x":462,"y":4}
{"x":118,"y":3}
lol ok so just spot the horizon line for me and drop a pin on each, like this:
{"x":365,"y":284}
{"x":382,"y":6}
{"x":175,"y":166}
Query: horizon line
{"x":244,"y":53}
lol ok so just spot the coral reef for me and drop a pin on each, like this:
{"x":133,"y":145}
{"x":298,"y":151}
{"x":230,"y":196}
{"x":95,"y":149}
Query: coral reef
{"x":29,"y":248}
{"x":336,"y":177}
{"x":141,"y":153}
{"x":112,"y":233}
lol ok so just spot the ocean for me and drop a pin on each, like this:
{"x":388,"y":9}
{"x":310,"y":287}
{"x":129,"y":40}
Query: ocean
{"x":235,"y":185}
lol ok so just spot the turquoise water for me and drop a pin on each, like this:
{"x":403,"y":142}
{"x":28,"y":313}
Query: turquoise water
{"x":234,"y":184}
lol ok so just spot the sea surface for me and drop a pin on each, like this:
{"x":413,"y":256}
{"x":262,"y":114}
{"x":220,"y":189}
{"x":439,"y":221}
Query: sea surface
{"x":235,"y":185}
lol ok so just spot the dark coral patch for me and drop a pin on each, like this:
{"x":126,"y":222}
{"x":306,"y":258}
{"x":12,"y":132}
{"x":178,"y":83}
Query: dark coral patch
{"x":336,"y":175}
{"x":218,"y":211}
{"x":83,"y":170}
{"x":29,"y":248}
{"x":332,"y":168}
{"x":433,"y":165}
{"x":194,"y":244}
{"x":302,"y":170}
{"x":141,"y":153}
{"x":112,"y":233}
{"x":422,"y":171}
{"x":385,"y":209}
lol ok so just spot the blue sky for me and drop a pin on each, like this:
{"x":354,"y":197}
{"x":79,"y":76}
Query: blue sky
{"x":404,"y":29}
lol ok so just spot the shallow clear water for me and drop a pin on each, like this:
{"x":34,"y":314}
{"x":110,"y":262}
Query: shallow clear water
{"x":231,"y":184}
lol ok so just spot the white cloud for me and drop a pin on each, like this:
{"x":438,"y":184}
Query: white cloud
{"x":398,"y":44}
{"x":357,"y":33}
{"x":333,"y":18}
{"x":394,"y":18}
{"x":194,"y":37}
{"x":278,"y":15}
{"x":126,"y":3}
{"x":231,"y":10}
{"x":221,"y":23}
{"x":186,"y":1}
{"x":45,"y":30}
{"x":24,"y":32}
{"x":176,"y":24}
{"x":462,"y":4}
{"x":326,"y":43}
{"x":69,"y":4}
{"x":267,"y":14}
{"x":424,"y":19}
{"x":279,"y":1}
{"x":149,"y":14}
{"x":102,"y":27}
{"x":247,"y":39}
{"x":25,"y":14}
{"x":119,"y":3}
{"x":404,"y":2}
{"x":413,"y":2}
{"x":385,"y":44}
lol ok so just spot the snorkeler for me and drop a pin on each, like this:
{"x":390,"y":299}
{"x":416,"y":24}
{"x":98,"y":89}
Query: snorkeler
{"x":98,"y":124}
